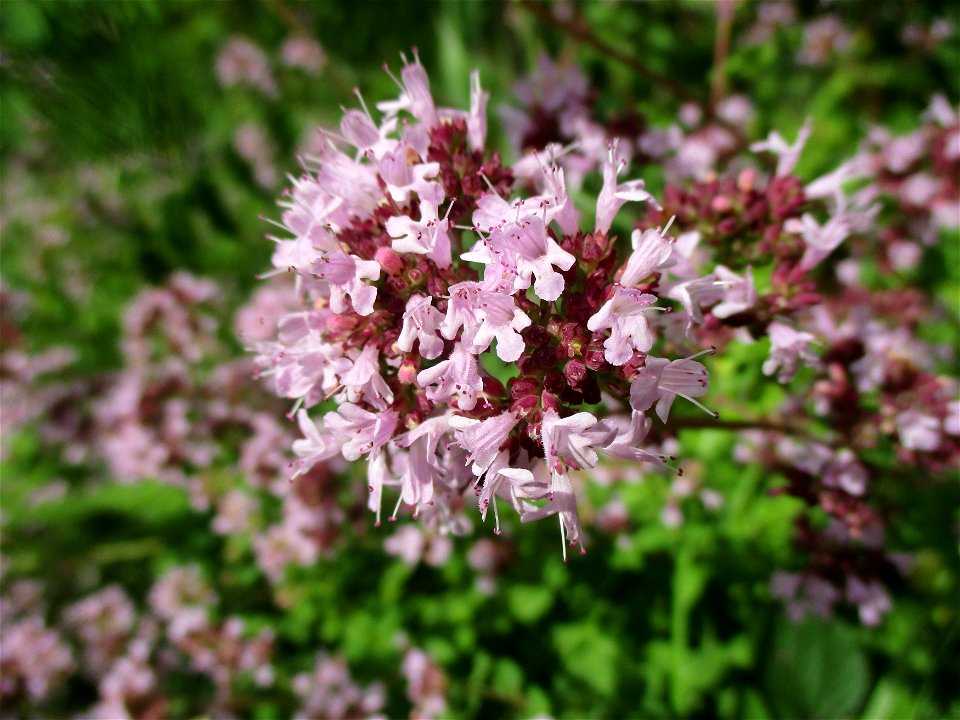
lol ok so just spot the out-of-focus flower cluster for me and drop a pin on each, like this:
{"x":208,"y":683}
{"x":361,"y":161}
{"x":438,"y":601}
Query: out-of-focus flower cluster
{"x":133,"y":654}
{"x":167,"y":416}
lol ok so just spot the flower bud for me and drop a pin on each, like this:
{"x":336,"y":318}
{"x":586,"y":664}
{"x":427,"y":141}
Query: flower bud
{"x":524,"y":406}
{"x":549,"y":401}
{"x":389,"y":260}
{"x":522,"y":387}
{"x":493,"y":387}
{"x":746,"y":180}
{"x":407,"y":373}
{"x":341,"y":323}
{"x":593,"y":359}
{"x":575,"y":372}
{"x":535,"y":336}
{"x":554,"y":382}
{"x":721,"y":204}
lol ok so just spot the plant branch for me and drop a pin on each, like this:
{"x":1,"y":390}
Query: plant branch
{"x":721,"y":48}
{"x":768,"y":424}
{"x":578,"y":29}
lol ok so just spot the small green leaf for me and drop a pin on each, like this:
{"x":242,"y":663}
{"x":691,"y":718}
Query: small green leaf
{"x":528,"y":603}
{"x":588,"y":656}
{"x":816,"y":670}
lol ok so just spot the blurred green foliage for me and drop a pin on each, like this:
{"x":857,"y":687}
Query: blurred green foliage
{"x":120,"y":100}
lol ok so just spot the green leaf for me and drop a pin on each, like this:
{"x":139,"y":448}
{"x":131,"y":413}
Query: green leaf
{"x":816,"y":670}
{"x":528,"y":603}
{"x":588,"y":655}
{"x":148,"y":501}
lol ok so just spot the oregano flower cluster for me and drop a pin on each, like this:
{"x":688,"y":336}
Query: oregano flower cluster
{"x":422,"y":261}
{"x":482,"y":337}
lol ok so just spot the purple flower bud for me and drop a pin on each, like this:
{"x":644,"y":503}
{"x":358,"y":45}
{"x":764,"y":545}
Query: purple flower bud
{"x":575,"y":373}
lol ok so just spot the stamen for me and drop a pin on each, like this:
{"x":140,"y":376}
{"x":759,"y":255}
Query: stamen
{"x":712,"y":350}
{"x":275,"y":223}
{"x":563,"y":537}
{"x":386,"y":69}
{"x":568,"y":149}
{"x":331,"y":133}
{"x":707,"y":410}
{"x":396,"y":509}
{"x":270,"y":274}
{"x":356,"y":91}
{"x":293,"y":410}
{"x":490,"y":184}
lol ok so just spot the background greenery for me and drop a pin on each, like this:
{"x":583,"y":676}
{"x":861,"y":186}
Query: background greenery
{"x":115,"y":107}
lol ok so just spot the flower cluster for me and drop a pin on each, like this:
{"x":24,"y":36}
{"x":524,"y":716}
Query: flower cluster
{"x":424,"y":264}
{"x":862,"y":344}
{"x":430,"y":273}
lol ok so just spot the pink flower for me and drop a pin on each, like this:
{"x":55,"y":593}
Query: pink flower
{"x":421,"y":321}
{"x":477,"y":118}
{"x":234,"y":513}
{"x":951,"y":424}
{"x":240,"y":62}
{"x":553,"y":203}
{"x":427,"y":236}
{"x":871,"y":598}
{"x":402,"y":177}
{"x":572,"y":439}
{"x":821,"y":240}
{"x":302,"y":52}
{"x":282,"y":545}
{"x":696,"y":294}
{"x":651,"y":251}
{"x":458,"y":376}
{"x":315,"y":447}
{"x":423,"y":466}
{"x":483,"y":439}
{"x":821,"y":38}
{"x":527,"y":250}
{"x":628,"y":436}
{"x":363,"y":432}
{"x":516,"y":484}
{"x":738,"y":293}
{"x":359,"y":129}
{"x":425,"y":684}
{"x":345,"y":274}
{"x":328,"y":691}
{"x":625,"y":315}
{"x":788,"y":154}
{"x":35,"y":656}
{"x":787,"y":348}
{"x":353,"y":183}
{"x":660,"y":381}
{"x":918,"y":431}
{"x":485,"y":315}
{"x":563,"y":503}
{"x":845,"y":472}
{"x":415,"y":96}
{"x":363,"y":380}
{"x":612,"y":196}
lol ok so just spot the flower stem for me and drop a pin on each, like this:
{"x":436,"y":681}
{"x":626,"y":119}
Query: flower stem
{"x":578,"y":29}
{"x":721,"y":48}
{"x":767,"y":424}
